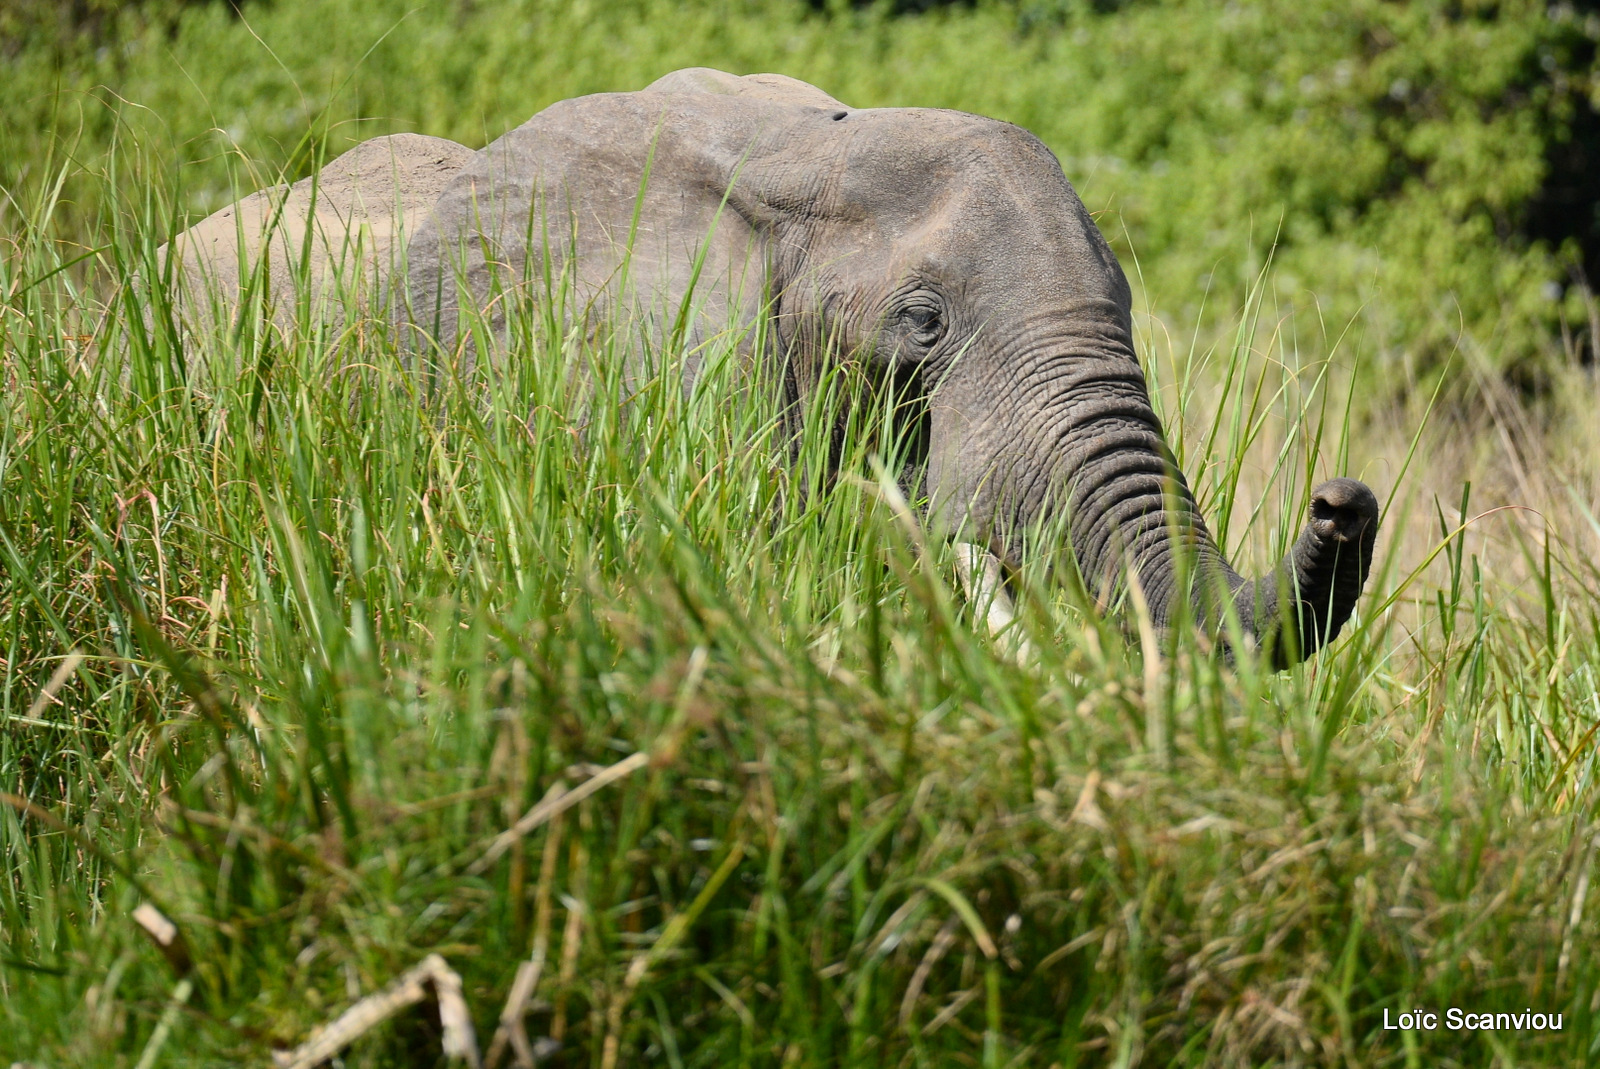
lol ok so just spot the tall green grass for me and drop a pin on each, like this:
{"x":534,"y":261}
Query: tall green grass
{"x":288,"y":639}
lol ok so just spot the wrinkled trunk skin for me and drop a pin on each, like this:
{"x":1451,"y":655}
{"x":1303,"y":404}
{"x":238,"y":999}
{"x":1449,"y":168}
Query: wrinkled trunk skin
{"x":1076,"y":427}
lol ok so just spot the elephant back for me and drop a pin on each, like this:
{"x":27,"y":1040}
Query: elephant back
{"x":775,"y":88}
{"x":357,"y":211}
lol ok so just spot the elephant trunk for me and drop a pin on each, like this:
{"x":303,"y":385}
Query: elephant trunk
{"x":1090,"y":441}
{"x":1321,"y":576}
{"x":1131,"y":507}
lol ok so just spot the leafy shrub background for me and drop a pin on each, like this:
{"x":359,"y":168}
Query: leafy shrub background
{"x":1422,"y":169}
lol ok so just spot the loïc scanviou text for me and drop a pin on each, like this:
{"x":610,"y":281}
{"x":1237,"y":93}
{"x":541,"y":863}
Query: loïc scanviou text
{"x":1455,"y":1019}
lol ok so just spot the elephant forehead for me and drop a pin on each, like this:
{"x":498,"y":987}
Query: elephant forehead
{"x":977,"y":196}
{"x":915,"y":150}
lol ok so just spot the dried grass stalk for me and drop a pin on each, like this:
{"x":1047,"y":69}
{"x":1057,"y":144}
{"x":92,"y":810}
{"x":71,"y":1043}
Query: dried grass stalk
{"x":411,"y":988}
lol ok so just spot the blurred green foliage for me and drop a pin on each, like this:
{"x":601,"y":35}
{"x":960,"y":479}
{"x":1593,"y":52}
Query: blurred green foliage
{"x":1419,"y":170}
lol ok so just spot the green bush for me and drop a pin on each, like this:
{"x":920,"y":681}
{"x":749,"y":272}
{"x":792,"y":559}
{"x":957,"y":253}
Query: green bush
{"x":1416,"y":157}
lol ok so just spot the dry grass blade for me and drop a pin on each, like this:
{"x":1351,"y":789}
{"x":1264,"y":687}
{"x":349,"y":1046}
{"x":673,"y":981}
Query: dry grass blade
{"x":1579,"y":893}
{"x":510,"y":1030}
{"x":165,"y":935}
{"x":557,"y":801}
{"x":459,"y":1039}
{"x":47,"y":694}
{"x":948,"y":1014}
{"x":942,"y":942}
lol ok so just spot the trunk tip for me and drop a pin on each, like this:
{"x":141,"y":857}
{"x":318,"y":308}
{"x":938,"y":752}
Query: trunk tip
{"x":1344,"y":510}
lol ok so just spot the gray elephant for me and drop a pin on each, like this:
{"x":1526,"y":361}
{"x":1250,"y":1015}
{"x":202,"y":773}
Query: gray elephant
{"x":948,"y":247}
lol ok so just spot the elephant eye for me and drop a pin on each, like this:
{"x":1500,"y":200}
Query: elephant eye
{"x":925,"y":323}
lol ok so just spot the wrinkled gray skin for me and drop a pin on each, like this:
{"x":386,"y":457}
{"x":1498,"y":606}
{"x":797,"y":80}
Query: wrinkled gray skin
{"x":912,"y":236}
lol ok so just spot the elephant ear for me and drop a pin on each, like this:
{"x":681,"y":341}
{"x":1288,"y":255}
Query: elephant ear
{"x":659,"y":201}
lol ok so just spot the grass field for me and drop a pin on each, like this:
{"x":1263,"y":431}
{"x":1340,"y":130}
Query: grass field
{"x":289,"y":641}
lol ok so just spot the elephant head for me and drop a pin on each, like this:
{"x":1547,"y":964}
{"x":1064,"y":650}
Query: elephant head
{"x":936,"y":242}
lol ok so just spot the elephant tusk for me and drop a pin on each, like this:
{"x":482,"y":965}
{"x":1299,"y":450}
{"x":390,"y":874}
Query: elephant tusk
{"x":984,"y":584}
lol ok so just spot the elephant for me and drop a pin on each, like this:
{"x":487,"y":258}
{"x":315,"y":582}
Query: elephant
{"x":935,"y":244}
{"x":355,"y":210}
